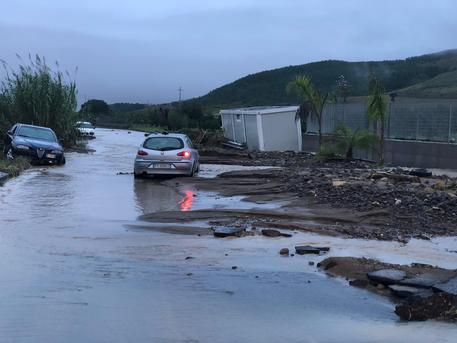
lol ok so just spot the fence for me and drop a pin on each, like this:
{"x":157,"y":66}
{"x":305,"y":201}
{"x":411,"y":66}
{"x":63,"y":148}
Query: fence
{"x":432,"y":120}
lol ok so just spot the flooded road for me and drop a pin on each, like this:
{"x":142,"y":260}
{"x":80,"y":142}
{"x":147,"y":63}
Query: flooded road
{"x":74,"y":268}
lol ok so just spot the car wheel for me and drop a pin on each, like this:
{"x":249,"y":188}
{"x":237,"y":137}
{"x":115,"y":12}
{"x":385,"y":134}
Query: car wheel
{"x":9,"y":153}
{"x":62,"y":160}
{"x":192,"y":172}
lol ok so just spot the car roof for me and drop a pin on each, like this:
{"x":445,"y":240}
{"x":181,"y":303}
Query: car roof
{"x":164,"y":134}
{"x":36,"y":126}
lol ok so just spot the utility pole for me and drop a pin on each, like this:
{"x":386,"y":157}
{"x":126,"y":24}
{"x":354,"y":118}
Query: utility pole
{"x":180,"y":93}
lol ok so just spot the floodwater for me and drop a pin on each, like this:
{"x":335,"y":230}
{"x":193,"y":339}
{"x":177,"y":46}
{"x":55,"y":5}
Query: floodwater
{"x":74,"y":268}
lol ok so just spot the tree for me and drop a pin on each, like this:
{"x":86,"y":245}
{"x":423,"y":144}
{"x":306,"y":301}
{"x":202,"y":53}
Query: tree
{"x":346,"y":140}
{"x":313,"y":100}
{"x":343,"y":87}
{"x":94,"y":108}
{"x":194,"y":111}
{"x":377,"y":111}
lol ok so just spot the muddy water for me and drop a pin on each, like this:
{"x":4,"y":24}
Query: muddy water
{"x":72,"y":269}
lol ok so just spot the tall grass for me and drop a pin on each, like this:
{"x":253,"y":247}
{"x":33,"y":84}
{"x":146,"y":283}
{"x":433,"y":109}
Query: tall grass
{"x":36,"y":94}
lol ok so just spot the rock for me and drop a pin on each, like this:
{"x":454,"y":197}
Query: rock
{"x":338,"y":183}
{"x":222,"y":232}
{"x":3,"y":177}
{"x":359,"y":283}
{"x":307,"y":249}
{"x":449,"y":287}
{"x":422,"y":236}
{"x":403,"y":291}
{"x":387,"y":276}
{"x":274,"y":233}
{"x":234,"y":267}
{"x":284,"y":252}
{"x":380,"y":286}
{"x":310,"y":263}
{"x":436,"y":306}
{"x":189,"y":258}
{"x":425,"y":280}
{"x":421,"y":172}
{"x":326,"y":264}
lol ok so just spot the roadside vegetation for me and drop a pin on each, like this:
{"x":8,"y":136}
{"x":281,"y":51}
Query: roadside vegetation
{"x":175,"y":116}
{"x":39,"y":95}
{"x":342,"y":143}
{"x":377,"y":112}
{"x":14,"y":167}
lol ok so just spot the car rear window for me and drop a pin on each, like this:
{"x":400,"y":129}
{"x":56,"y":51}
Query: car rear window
{"x":163,"y":143}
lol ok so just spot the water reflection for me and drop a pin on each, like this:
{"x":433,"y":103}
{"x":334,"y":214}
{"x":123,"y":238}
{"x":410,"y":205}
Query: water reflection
{"x":187,"y":201}
{"x":151,"y":196}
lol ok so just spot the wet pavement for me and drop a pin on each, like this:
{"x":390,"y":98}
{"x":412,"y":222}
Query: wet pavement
{"x":75,"y":268}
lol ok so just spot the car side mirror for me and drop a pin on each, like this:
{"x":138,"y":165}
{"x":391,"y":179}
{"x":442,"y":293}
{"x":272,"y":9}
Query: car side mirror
{"x":10,"y":132}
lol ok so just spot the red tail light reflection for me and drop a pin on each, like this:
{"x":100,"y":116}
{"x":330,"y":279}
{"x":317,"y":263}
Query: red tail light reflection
{"x":187,"y":201}
{"x":142,"y":153}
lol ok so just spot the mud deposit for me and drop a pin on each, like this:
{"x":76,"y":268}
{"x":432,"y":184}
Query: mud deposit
{"x":359,"y":200}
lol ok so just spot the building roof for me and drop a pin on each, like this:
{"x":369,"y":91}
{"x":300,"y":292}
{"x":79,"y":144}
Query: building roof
{"x":260,"y":110}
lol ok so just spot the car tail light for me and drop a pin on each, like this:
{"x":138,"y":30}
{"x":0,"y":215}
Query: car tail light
{"x":142,"y":153}
{"x":185,"y":154}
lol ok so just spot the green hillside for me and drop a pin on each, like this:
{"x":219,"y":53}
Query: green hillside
{"x":269,"y":87}
{"x":441,"y":86}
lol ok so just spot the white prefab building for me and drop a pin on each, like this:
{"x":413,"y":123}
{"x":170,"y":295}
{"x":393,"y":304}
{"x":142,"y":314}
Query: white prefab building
{"x":263,"y":128}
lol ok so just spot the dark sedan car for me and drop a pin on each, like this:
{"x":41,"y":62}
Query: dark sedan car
{"x":40,"y":144}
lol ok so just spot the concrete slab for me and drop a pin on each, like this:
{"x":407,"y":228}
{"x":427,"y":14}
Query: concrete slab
{"x":387,"y":276}
{"x":447,"y":287}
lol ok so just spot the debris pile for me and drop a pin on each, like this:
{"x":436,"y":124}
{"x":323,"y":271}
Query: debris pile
{"x":422,"y":291}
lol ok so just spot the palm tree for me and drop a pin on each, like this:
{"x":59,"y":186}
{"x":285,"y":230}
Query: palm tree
{"x":377,"y":111}
{"x":313,"y":100}
{"x":346,"y":140}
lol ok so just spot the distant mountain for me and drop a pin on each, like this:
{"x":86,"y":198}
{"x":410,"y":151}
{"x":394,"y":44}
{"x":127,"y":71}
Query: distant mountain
{"x":442,"y":86}
{"x":427,"y":72}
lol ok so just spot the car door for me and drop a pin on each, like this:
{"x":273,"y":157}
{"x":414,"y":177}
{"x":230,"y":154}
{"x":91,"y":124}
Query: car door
{"x":193,"y":151}
{"x":10,"y":135}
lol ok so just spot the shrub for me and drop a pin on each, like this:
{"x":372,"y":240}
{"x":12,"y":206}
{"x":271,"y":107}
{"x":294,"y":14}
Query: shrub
{"x":35,"y":94}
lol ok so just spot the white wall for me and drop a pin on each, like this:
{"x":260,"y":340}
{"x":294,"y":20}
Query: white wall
{"x":280,"y":132}
{"x":227,"y":126}
{"x":251,"y":132}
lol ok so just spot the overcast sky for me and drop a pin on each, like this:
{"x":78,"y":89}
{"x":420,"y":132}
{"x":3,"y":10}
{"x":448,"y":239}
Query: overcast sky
{"x":144,"y":50}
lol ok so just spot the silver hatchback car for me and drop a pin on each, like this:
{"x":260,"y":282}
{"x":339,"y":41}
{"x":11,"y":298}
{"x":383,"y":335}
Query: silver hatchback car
{"x":166,"y":154}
